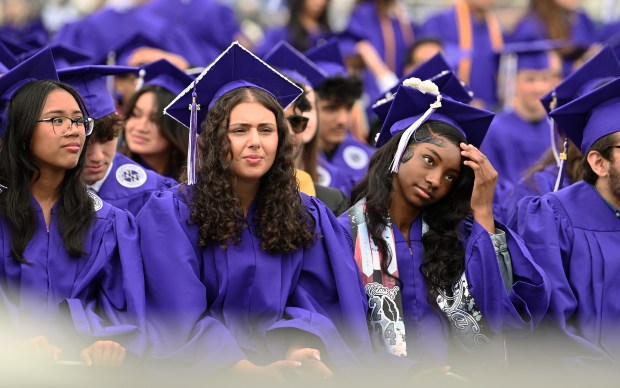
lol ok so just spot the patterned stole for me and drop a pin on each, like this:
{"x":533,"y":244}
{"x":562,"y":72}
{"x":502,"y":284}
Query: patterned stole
{"x":466,"y":38}
{"x":385,"y":317}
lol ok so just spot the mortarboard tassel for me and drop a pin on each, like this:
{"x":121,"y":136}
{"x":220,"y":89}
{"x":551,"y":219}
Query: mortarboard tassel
{"x":140,"y":80}
{"x":404,"y":140}
{"x":193,"y":137}
{"x":508,"y":68}
{"x":563,"y":157}
{"x":552,"y":128}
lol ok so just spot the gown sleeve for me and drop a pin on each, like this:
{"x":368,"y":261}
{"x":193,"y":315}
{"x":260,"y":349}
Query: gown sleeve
{"x":525,"y":303}
{"x":107,"y":300}
{"x":328,"y":300}
{"x":179,"y":326}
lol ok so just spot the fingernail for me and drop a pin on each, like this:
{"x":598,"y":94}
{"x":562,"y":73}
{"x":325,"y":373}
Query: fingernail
{"x":296,"y":363}
{"x":317,"y":357}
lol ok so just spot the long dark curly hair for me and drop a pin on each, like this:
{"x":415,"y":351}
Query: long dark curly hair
{"x":283,"y":223}
{"x":18,"y":169}
{"x":444,"y":254}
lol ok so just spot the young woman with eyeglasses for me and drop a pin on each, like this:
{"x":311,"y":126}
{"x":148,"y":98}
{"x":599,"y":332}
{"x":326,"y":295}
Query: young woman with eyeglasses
{"x":71,"y":276}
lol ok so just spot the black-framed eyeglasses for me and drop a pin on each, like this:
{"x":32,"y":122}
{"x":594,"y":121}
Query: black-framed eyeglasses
{"x":298,"y":123}
{"x":614,"y":146}
{"x":61,"y":125}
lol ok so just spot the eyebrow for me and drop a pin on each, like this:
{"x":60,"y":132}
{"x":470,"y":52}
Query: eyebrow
{"x":62,"y":112}
{"x":441,"y":160}
{"x":243,"y":124}
{"x":436,"y":154}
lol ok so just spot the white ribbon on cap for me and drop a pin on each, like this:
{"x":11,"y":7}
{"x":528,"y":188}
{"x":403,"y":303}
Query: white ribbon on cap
{"x":425,"y":87}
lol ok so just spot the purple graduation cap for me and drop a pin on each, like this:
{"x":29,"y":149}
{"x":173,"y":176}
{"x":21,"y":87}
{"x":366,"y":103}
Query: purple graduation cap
{"x":439,"y":72}
{"x":38,"y":67}
{"x":435,"y":65}
{"x":290,"y":62}
{"x":92,"y":84}
{"x":64,"y":56}
{"x":235,"y":68}
{"x":16,"y":47}
{"x":412,"y":107}
{"x":6,"y":57}
{"x":603,"y":67}
{"x":591,"y":116}
{"x":519,"y":56}
{"x":166,"y":75}
{"x":328,"y":57}
{"x":531,"y":55}
{"x":123,"y":50}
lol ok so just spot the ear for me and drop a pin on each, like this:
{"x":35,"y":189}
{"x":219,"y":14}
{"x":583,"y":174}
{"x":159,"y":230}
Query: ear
{"x":598,"y":164}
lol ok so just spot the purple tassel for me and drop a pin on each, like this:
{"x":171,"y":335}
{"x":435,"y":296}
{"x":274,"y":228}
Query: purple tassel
{"x":193,"y":137}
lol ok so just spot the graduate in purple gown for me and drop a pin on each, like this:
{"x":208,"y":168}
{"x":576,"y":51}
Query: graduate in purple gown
{"x":152,"y":139}
{"x":383,"y":32}
{"x":343,"y":160}
{"x":471,"y":26}
{"x":519,"y":135}
{"x":544,"y":176}
{"x":71,"y":273}
{"x":574,"y":234}
{"x":307,"y":27}
{"x":258,"y":276}
{"x":387,"y":26}
{"x":443,"y":279}
{"x":114,"y":177}
{"x":558,"y":20}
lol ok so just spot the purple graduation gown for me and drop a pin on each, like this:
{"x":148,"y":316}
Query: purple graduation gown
{"x":575,"y":237}
{"x":75,"y":301}
{"x":427,"y":332}
{"x":483,"y":81}
{"x":346,"y":166}
{"x":215,"y":306}
{"x":513,"y":145}
{"x":128,"y":186}
{"x":541,"y":182}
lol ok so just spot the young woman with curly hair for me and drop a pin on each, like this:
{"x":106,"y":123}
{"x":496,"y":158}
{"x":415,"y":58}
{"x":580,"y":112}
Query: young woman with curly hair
{"x":70,"y":272}
{"x":438,"y":270}
{"x":258,"y":273}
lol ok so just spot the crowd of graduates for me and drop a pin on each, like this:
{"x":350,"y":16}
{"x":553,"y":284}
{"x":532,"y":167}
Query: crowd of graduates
{"x":391,"y":201}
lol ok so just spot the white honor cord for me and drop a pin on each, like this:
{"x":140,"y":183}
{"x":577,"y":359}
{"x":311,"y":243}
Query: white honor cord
{"x":554,"y":148}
